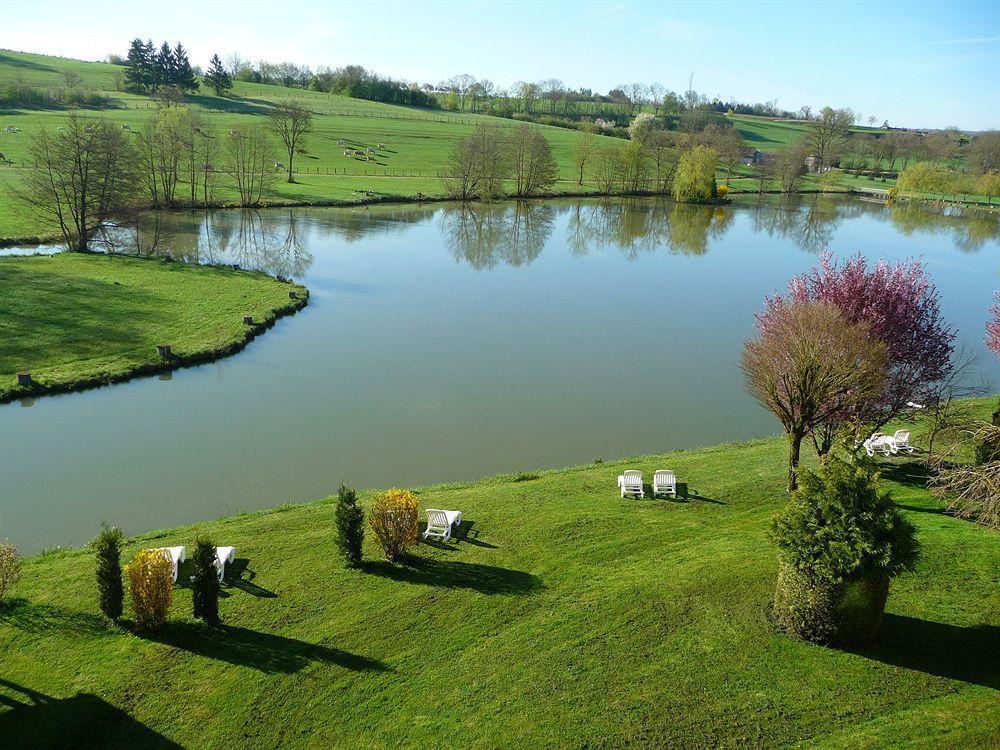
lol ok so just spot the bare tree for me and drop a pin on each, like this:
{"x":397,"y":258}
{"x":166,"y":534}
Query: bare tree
{"x":586,"y":145}
{"x":86,"y":174}
{"x":829,"y":132}
{"x":806,"y":364}
{"x":291,"y":123}
{"x":477,"y":165}
{"x":533,"y":168}
{"x":664,"y":156}
{"x":249,"y":155}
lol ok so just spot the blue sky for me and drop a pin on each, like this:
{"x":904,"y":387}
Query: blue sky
{"x":928,"y":64}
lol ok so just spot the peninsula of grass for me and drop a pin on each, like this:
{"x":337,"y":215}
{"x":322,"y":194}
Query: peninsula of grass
{"x":562,"y":616}
{"x":76,"y":320}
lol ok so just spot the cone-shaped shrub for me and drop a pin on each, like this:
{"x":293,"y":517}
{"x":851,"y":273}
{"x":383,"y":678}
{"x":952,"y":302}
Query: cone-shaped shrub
{"x":394,"y":520}
{"x":205,"y":583}
{"x":108,"y":550}
{"x":840,"y":541}
{"x":350,"y":525}
{"x":10,"y":566}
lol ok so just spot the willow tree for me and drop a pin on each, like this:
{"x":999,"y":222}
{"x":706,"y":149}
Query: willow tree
{"x":695,"y":177}
{"x":807,"y":363}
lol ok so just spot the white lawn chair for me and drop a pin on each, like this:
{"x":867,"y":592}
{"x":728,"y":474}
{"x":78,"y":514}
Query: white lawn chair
{"x":630,"y":483}
{"x":223,"y":555}
{"x":900,"y":441}
{"x":664,"y":483}
{"x":177,"y":555}
{"x":439,"y":523}
{"x":878,"y":442}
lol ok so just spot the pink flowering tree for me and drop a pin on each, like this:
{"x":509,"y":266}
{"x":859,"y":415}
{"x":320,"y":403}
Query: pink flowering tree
{"x":899,"y":305}
{"x":993,"y":328}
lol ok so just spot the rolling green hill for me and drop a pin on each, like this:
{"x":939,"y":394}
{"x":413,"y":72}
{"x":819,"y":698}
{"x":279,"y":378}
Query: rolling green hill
{"x":562,"y":616}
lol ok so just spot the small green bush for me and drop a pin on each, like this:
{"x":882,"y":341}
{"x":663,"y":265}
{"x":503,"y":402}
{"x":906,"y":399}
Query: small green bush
{"x":350,"y":525}
{"x":108,"y":549}
{"x":10,"y":566}
{"x":840,"y":540}
{"x":205,"y":583}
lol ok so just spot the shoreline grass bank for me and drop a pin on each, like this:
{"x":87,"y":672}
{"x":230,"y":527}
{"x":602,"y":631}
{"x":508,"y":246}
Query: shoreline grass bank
{"x":76,"y":321}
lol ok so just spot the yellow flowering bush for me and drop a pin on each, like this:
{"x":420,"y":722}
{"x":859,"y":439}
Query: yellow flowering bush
{"x":393,"y":518}
{"x":722,"y":190}
{"x":150,"y":577}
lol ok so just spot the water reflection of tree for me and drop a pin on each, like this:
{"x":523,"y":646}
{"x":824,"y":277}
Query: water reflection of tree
{"x":808,"y":222}
{"x":487,"y":234}
{"x":970,"y":229}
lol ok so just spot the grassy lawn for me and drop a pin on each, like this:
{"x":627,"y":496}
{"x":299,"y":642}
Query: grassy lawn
{"x":72,"y":318}
{"x":562,"y":617}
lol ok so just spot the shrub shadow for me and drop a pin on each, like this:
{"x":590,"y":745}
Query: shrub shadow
{"x":486,"y":579}
{"x":965,"y":654}
{"x":36,"y":720}
{"x":271,"y":654}
{"x":40,"y":618}
{"x":909,"y":474}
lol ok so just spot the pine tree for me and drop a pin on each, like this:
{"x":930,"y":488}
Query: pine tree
{"x":217,"y":77}
{"x":205,"y":583}
{"x":137,"y":66}
{"x":350,"y":525}
{"x":183,"y":76}
{"x":163,"y":67}
{"x":108,"y":546}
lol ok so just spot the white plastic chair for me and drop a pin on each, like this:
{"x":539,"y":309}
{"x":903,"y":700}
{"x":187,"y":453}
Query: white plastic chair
{"x":439,"y":523}
{"x":630,"y":483}
{"x":664,"y":483}
{"x":223,"y":555}
{"x":878,"y":442}
{"x":177,"y":555}
{"x":900,"y":441}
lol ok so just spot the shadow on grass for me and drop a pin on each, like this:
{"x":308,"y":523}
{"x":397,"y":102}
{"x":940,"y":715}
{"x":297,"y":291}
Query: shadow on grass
{"x":239,"y":576}
{"x":235,"y":104}
{"x":464,"y":534}
{"x":909,"y":474}
{"x":271,"y":654}
{"x":966,"y":654}
{"x":486,"y":579}
{"x":36,"y":720}
{"x":684,"y":494}
{"x":41,"y":618}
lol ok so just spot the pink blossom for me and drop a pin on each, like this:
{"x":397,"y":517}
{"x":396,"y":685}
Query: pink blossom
{"x":993,"y":328}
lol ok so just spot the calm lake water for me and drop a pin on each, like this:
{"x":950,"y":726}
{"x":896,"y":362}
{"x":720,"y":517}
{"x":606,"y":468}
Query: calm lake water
{"x":449,"y":342}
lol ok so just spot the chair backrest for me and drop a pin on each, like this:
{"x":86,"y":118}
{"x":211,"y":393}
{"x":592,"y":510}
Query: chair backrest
{"x":632,"y":476}
{"x":436,"y":518}
{"x":902,"y":436}
{"x":664,"y":476}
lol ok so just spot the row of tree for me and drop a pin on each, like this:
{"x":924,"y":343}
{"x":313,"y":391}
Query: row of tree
{"x":148,"y":68}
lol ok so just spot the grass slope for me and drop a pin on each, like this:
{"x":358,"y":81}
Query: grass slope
{"x":563,"y":617}
{"x":73,"y":319}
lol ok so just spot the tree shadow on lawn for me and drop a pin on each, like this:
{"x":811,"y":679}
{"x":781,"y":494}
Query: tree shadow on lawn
{"x":966,"y":654}
{"x":33,"y":617}
{"x":909,"y":474}
{"x":234,"y":104}
{"x":17,"y":62}
{"x":238,"y":576}
{"x":271,"y":654}
{"x":36,"y":720}
{"x":486,"y":579}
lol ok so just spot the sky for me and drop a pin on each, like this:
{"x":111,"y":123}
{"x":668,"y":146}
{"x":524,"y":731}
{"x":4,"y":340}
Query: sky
{"x":915,"y":64}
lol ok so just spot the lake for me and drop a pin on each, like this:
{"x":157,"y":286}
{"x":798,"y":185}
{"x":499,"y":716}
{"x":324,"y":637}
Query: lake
{"x":448,"y":342}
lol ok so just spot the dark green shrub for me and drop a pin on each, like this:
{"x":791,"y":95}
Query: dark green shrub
{"x":840,"y":541}
{"x":350,"y":525}
{"x":108,"y":548}
{"x":205,"y":583}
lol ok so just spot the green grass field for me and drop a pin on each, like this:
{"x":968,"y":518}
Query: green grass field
{"x":87,"y":319}
{"x":562,"y":617}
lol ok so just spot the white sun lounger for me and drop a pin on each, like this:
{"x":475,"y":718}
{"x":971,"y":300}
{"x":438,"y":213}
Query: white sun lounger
{"x":223,"y":555}
{"x":439,"y":523}
{"x":664,"y":483}
{"x":630,"y":483}
{"x":900,"y":441}
{"x":177,"y":555}
{"x":878,"y":442}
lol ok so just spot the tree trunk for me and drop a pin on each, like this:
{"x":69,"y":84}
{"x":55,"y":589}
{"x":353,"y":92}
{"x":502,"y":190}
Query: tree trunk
{"x":291,"y":153}
{"x":795,"y":450}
